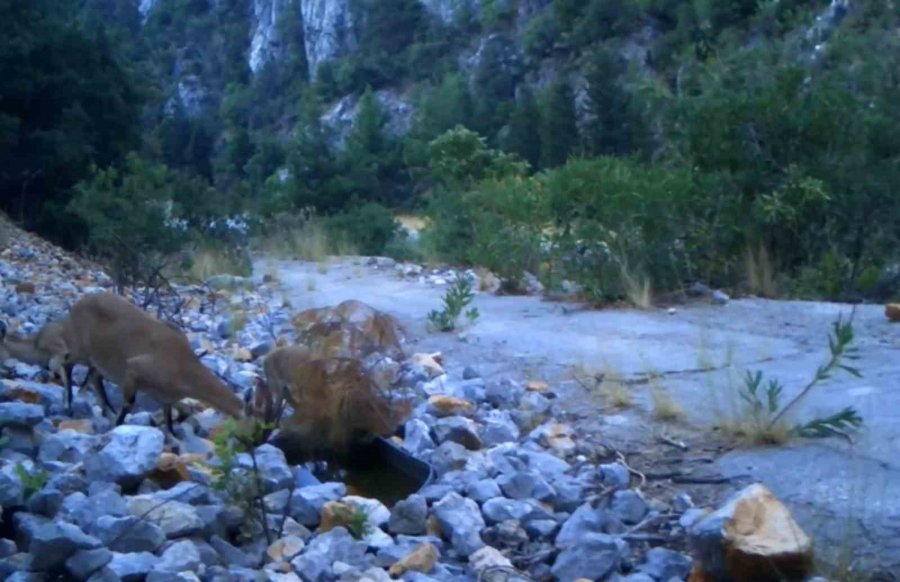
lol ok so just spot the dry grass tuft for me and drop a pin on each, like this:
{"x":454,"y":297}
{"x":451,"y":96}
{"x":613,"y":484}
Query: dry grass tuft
{"x":743,"y":430}
{"x":210,"y":261}
{"x":638,"y":289}
{"x":665,"y":408}
{"x":760,"y":272}
{"x":303,"y":239}
{"x":606,"y":384}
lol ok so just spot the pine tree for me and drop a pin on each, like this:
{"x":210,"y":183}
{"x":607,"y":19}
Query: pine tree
{"x":611,"y":126}
{"x":313,"y":167}
{"x":523,"y":137}
{"x":370,"y":158}
{"x":558,"y":127}
{"x":443,"y":108}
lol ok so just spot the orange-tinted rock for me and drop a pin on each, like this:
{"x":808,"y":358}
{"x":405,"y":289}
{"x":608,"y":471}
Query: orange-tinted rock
{"x":170,"y":470}
{"x":336,"y":401}
{"x":537,"y":386}
{"x":27,"y":287}
{"x":433,"y":527}
{"x":441,"y":405}
{"x":23,"y":395}
{"x":430,"y":362}
{"x":422,"y":559}
{"x":752,"y":538}
{"x":336,"y":514}
{"x":559,"y":438}
{"x":892,"y":311}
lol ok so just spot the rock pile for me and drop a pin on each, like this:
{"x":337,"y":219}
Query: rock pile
{"x":516,"y":497}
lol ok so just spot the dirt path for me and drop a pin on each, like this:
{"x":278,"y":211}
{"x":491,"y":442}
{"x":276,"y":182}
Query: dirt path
{"x":847,"y":495}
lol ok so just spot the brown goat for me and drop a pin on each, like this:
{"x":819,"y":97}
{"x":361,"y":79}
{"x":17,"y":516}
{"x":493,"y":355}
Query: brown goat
{"x":336,"y":403}
{"x":129,"y":347}
{"x":47,"y":348}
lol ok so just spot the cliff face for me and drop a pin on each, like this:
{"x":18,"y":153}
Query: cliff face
{"x":327,"y":30}
{"x":266,"y":44}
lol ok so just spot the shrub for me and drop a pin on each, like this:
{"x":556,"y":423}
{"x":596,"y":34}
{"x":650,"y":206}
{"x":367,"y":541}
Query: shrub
{"x":241,"y":486}
{"x":131,"y":220}
{"x":541,"y":34}
{"x":456,"y":299}
{"x":613,"y":225}
{"x":460,"y":157}
{"x":367,"y":228}
{"x":507,"y":220}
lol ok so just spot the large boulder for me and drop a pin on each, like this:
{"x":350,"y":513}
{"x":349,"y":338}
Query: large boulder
{"x":351,"y":329}
{"x":753,"y":537}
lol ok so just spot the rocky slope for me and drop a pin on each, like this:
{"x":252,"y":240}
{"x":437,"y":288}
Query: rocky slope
{"x":518,"y":496}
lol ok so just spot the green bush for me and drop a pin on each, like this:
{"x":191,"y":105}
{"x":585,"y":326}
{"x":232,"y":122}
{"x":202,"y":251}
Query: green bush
{"x":458,"y":159}
{"x":367,"y":228}
{"x":131,"y":220}
{"x":541,"y":34}
{"x":508,"y":218}
{"x":796,"y":159}
{"x":614,"y":225}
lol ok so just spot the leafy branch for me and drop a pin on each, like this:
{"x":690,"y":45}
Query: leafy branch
{"x":240,"y":488}
{"x":764,"y":398}
{"x":839,"y":345}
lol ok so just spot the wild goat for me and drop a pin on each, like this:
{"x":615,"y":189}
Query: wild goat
{"x":336,"y":403}
{"x":129,"y":347}
{"x":47,"y":349}
{"x":278,"y":368}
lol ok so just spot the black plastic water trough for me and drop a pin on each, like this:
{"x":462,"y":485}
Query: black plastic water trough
{"x":380,"y":469}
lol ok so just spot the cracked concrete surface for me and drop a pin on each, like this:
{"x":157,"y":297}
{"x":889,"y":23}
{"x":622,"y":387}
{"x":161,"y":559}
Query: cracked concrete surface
{"x":846,"y":495}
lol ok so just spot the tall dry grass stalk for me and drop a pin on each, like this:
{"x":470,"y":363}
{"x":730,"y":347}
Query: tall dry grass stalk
{"x":760,"y":272}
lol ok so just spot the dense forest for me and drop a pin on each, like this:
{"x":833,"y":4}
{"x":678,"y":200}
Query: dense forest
{"x":619,"y":144}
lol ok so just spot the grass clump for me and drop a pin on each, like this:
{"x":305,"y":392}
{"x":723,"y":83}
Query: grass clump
{"x":608,"y":385}
{"x":293,"y":237}
{"x":665,"y":408}
{"x":210,"y":260}
{"x":457,"y":298}
{"x":355,"y":518}
{"x":760,"y":273}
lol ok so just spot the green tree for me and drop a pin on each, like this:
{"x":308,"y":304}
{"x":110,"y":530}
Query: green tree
{"x":370,"y":158}
{"x":128,"y":215}
{"x":460,"y":157}
{"x":66,"y":102}
{"x":612,"y":123}
{"x":494,"y":85}
{"x":558,"y":127}
{"x":605,"y":19}
{"x":314,"y":171}
{"x":523,"y":137}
